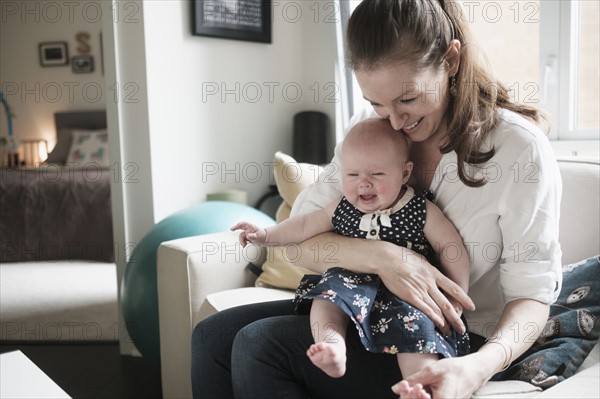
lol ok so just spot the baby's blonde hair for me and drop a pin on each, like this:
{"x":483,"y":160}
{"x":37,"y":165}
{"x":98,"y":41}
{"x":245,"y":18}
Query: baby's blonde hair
{"x":379,"y":132}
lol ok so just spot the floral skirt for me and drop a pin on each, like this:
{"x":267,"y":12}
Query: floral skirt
{"x":385,"y":324}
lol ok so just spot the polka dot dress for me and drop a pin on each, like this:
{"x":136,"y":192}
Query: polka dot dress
{"x":385,"y":324}
{"x":405,"y":226}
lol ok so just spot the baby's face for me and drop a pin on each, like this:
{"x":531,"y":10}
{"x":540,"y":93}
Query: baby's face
{"x":372,"y":176}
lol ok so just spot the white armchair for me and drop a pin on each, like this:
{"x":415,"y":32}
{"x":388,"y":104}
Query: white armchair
{"x":198,"y":276}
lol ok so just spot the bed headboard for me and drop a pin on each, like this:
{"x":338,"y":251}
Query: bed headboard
{"x":65,"y":123}
{"x":80,"y":120}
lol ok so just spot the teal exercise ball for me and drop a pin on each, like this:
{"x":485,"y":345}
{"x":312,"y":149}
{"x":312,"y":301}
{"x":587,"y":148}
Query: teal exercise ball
{"x":139,"y":295}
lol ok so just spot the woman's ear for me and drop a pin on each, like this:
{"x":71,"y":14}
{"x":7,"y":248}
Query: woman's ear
{"x":453,"y":57}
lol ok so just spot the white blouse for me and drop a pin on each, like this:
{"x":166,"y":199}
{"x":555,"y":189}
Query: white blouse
{"x":509,"y":226}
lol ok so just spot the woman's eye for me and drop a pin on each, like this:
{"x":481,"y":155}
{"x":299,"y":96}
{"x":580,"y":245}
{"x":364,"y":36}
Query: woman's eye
{"x":407,"y":100}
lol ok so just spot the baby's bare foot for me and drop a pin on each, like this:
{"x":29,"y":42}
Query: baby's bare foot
{"x":330,"y":358}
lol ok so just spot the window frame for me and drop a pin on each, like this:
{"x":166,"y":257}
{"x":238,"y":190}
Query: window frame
{"x":559,"y":66}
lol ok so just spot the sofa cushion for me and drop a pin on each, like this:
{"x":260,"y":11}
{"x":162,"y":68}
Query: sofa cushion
{"x":571,"y":332}
{"x":580,"y":191}
{"x":222,"y":300}
{"x":507,"y":389}
{"x":291,"y":178}
{"x":582,"y":385}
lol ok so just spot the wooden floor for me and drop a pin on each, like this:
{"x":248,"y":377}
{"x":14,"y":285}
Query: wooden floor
{"x":94,"y":371}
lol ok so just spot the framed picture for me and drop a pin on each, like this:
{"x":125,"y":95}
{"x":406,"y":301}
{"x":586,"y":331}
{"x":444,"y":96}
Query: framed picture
{"x":82,"y":63}
{"x":248,"y":20}
{"x":54,"y":54}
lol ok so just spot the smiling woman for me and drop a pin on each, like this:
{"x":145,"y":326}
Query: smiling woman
{"x":405,"y":54}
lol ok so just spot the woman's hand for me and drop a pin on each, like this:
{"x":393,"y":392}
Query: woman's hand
{"x":458,"y":377}
{"x":411,"y":278}
{"x":405,"y":273}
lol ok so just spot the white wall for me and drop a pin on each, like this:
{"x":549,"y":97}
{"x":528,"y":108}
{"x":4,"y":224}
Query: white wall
{"x":127,"y":114}
{"x":219,"y":109}
{"x":35,"y":92}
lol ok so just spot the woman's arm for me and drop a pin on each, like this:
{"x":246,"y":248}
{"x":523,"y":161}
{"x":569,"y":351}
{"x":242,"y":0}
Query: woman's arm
{"x":520,"y":324}
{"x":529,"y":270}
{"x":405,"y":273}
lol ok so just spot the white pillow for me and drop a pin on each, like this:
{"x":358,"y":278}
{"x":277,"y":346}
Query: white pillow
{"x":89,"y":146}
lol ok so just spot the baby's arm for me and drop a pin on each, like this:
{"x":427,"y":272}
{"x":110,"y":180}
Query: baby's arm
{"x":295,"y":229}
{"x":445,"y":240}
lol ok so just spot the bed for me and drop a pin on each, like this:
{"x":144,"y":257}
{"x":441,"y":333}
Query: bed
{"x":57,"y":264}
{"x":59,"y":210}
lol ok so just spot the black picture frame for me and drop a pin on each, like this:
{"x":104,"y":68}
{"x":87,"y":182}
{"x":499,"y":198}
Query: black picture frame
{"x":248,"y":20}
{"x":83,"y":63}
{"x":54,"y":54}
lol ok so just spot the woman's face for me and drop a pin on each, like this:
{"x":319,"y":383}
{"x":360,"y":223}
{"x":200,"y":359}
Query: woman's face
{"x":414,"y":101}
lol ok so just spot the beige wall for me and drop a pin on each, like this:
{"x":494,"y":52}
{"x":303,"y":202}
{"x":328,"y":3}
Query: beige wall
{"x":35,"y":92}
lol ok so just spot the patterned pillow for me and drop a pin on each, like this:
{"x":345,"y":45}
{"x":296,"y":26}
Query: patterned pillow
{"x":570,"y":334}
{"x":89,"y":146}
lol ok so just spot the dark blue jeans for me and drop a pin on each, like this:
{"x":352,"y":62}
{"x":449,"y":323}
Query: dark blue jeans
{"x":259,"y":351}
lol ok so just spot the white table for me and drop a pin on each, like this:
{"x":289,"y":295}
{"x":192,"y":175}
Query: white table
{"x":21,"y":378}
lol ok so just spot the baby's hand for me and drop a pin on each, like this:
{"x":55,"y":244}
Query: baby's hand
{"x":250,"y":234}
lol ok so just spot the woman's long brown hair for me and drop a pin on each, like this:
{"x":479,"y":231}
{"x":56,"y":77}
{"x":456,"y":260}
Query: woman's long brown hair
{"x":419,"y":32}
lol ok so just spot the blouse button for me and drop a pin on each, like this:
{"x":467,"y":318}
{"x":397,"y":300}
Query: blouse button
{"x":373,"y":232}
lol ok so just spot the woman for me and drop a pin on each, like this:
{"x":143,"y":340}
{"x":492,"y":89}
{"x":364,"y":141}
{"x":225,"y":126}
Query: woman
{"x":491,"y":171}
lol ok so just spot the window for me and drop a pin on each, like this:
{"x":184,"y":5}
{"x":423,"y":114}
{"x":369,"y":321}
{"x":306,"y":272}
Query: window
{"x":588,"y":52}
{"x":546,"y":52}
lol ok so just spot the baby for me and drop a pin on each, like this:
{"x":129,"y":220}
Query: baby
{"x":377,"y":204}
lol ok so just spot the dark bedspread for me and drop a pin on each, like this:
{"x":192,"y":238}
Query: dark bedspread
{"x":55,"y":213}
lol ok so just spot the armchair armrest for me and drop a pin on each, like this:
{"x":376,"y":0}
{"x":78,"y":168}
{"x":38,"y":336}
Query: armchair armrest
{"x":189,"y":269}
